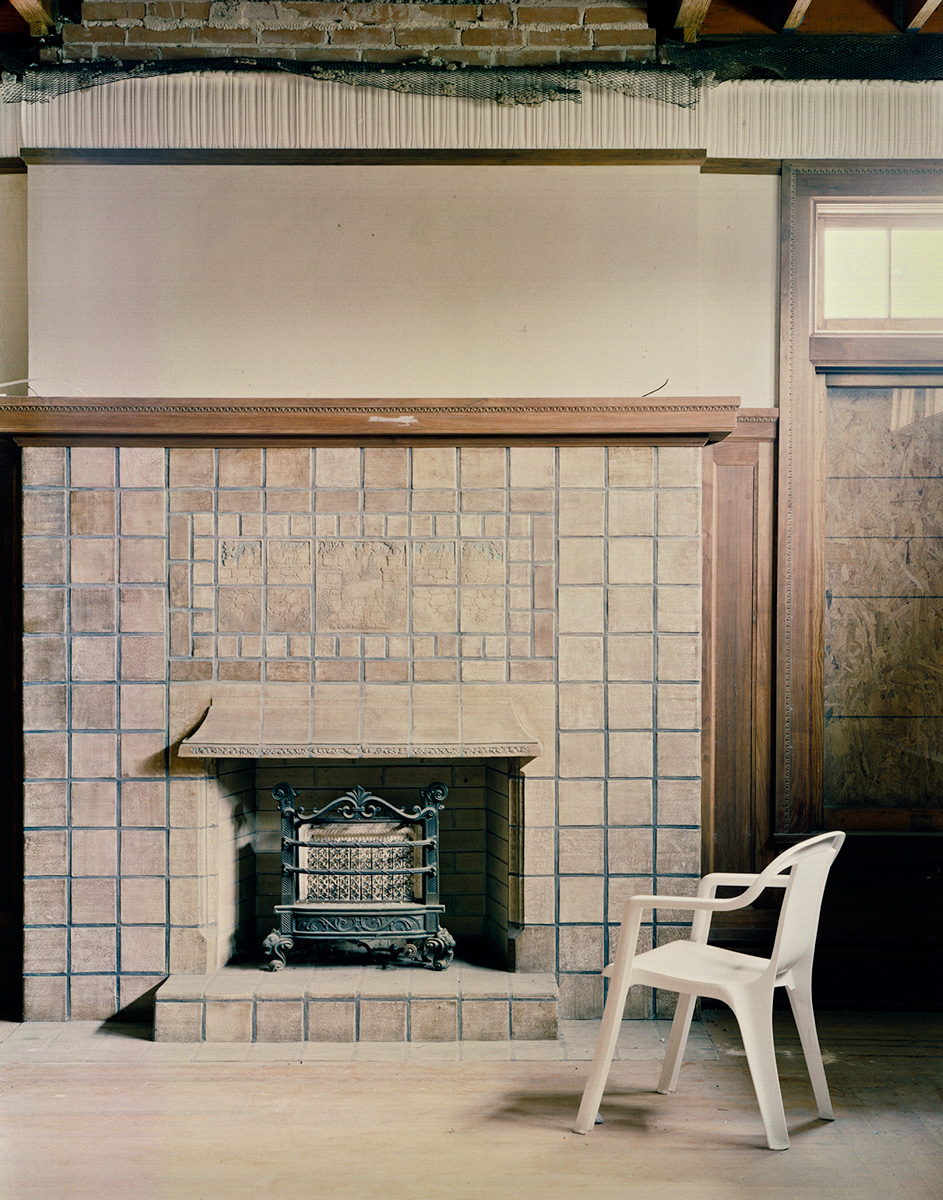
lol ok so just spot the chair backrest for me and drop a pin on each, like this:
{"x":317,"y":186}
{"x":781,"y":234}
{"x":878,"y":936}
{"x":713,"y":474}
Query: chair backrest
{"x":808,"y":865}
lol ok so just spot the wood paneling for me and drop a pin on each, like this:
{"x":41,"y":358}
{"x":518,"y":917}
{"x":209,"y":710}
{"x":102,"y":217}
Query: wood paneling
{"x":884,"y":902}
{"x":738,"y":499}
{"x":11,"y":743}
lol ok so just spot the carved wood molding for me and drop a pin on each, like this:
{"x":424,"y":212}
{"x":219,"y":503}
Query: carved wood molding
{"x":694,"y":420}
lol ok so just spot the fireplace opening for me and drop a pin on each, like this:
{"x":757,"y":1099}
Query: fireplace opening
{"x":361,"y":873}
{"x":478,"y":842}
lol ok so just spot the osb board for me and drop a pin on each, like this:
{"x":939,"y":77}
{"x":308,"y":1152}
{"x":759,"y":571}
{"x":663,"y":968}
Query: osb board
{"x":862,"y":442}
{"x":860,"y":566}
{"x":887,"y":763}
{"x":884,"y":601}
{"x":896,"y":508}
{"x":883,"y":657}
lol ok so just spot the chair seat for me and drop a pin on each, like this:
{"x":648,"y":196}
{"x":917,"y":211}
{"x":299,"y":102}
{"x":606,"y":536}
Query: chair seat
{"x":695,"y":965}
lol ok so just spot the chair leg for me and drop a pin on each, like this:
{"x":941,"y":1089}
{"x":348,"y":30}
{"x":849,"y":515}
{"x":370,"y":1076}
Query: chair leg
{"x":602,"y":1057}
{"x":800,"y":1001}
{"x":756,"y":1028}
{"x":677,"y":1040}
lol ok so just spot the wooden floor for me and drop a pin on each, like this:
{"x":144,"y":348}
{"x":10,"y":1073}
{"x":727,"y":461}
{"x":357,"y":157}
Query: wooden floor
{"x":87,"y":1111}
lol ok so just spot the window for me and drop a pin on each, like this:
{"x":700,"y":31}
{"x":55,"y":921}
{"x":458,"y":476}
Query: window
{"x":879,"y":268}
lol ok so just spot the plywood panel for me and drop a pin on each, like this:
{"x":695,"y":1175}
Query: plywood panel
{"x":881,"y":432}
{"x":885,"y":507}
{"x":874,"y":566}
{"x":883,"y":657}
{"x":890,"y":762}
{"x":884,"y":601}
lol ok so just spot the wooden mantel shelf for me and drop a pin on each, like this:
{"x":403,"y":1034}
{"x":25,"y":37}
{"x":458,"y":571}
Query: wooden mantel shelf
{"x":694,"y":420}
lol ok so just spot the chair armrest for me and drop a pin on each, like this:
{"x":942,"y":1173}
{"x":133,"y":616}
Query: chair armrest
{"x":710,"y":883}
{"x":705,"y":903}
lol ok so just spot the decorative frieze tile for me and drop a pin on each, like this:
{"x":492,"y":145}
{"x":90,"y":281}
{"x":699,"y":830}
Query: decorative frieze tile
{"x":361,"y":587}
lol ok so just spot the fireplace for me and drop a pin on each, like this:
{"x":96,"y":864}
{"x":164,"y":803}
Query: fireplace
{"x":398,"y":562}
{"x":360,"y":872}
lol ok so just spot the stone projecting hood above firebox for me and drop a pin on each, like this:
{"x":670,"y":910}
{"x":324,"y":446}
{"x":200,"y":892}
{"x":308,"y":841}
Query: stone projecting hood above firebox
{"x":320,"y":726}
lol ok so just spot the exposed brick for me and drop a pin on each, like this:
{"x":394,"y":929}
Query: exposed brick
{"x":524,"y":58}
{"x":80,"y":35}
{"x":449,"y":12}
{"x":474,"y":58}
{"x":130,"y":54}
{"x":548,"y":15}
{"x":111,"y":42}
{"x":291,"y":37}
{"x":624,"y":37}
{"x":361,"y":37}
{"x":427,"y":37}
{"x":382,"y":55}
{"x":179,"y":10}
{"x":328,"y":54}
{"x":112,"y":12}
{"x":496,"y":12}
{"x":615,"y":54}
{"x":226,"y":37}
{"x":137,"y":34}
{"x":379,"y":14}
{"x":322,"y":13}
{"x":492,"y":37}
{"x":615,"y":16}
{"x":559,"y":37}
{"x":193,"y":52}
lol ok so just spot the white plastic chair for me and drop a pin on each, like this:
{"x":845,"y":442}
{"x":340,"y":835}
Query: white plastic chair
{"x":743,"y":981}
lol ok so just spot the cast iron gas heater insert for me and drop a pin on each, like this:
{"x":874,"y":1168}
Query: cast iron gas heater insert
{"x":364,"y":872}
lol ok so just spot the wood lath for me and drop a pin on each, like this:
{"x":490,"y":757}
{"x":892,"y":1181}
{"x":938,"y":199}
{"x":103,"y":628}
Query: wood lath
{"x":918,"y":14}
{"x":796,"y":14}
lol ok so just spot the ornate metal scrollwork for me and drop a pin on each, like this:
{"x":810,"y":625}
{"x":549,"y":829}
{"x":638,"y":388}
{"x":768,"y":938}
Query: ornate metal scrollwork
{"x":439,"y":950}
{"x":275,"y":946}
{"x":358,"y":908}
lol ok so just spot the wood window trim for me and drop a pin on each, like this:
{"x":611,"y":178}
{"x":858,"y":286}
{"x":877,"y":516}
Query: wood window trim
{"x":805,"y":361}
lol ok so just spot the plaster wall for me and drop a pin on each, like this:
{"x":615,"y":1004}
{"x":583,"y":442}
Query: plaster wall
{"x":738,"y":287}
{"x":13,"y":293}
{"x":401,"y":281}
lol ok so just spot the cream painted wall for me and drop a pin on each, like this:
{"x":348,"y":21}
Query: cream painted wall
{"x":399,"y":281}
{"x":13,"y":294}
{"x":738,"y":252}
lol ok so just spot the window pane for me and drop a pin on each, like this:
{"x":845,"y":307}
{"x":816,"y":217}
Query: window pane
{"x":917,"y":273}
{"x":855,"y":273}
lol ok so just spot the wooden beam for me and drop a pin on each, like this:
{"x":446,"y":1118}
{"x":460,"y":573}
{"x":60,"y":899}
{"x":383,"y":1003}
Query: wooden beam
{"x":797,"y":14}
{"x":52,"y":156}
{"x":919,"y":12}
{"x":36,"y":16}
{"x":691,"y":16}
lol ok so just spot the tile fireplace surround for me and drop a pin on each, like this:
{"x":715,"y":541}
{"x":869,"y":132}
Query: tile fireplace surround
{"x":506,"y":599}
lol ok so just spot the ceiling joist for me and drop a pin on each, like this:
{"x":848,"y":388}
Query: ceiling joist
{"x":691,"y":16}
{"x":36,"y":16}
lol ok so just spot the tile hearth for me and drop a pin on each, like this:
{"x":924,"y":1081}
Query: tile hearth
{"x":353,"y":1003}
